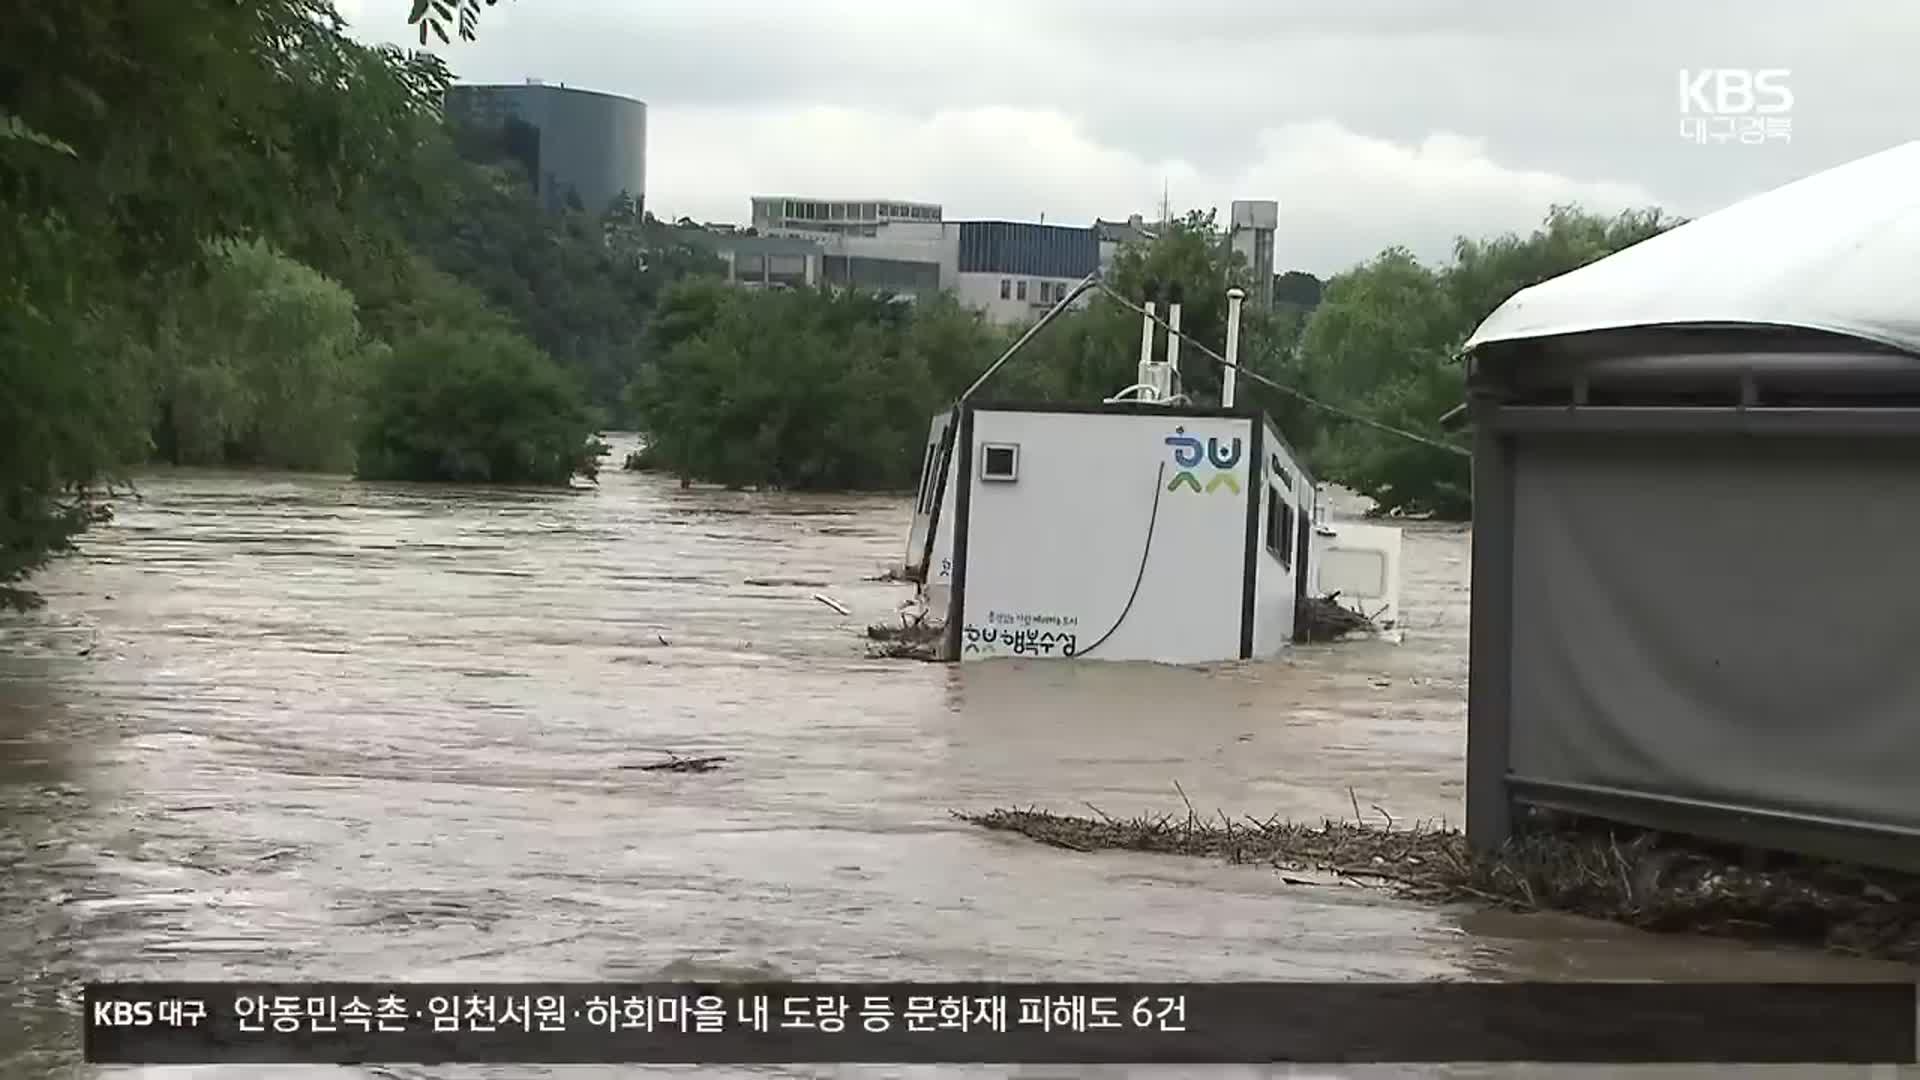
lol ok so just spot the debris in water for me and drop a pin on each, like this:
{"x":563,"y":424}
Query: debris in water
{"x":676,"y":763}
{"x":832,"y":603}
{"x":914,"y":639}
{"x":1651,"y":881}
{"x":1326,"y":619}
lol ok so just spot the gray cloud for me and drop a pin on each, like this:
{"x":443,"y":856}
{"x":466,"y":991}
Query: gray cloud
{"x":1372,"y":121}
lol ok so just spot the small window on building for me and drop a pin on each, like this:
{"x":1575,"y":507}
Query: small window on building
{"x":999,"y":461}
{"x":926,"y":478}
{"x":1020,"y":290}
{"x":1280,"y":474}
{"x":1006,"y":288}
{"x":1279,"y":527}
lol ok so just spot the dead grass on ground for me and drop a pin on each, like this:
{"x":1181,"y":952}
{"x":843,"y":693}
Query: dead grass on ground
{"x":1647,"y":880}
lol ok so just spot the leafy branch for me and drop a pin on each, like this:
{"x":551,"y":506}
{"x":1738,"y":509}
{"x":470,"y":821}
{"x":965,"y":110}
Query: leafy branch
{"x":436,"y":16}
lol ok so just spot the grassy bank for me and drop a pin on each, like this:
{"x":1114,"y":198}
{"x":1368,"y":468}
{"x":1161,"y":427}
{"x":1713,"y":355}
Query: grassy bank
{"x":1643,"y":879}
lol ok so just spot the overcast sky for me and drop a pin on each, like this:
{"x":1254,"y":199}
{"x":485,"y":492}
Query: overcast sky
{"x":1373,"y":122}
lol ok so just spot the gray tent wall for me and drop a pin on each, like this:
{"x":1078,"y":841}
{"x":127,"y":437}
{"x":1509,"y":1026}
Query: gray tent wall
{"x":1693,"y":603}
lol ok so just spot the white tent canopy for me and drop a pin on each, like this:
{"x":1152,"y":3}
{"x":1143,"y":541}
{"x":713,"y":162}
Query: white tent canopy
{"x":1838,"y":251}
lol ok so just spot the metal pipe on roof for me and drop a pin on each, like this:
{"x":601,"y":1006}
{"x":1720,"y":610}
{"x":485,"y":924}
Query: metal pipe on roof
{"x":1228,"y":377}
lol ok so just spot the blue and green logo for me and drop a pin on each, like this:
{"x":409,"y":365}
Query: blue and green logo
{"x":1190,"y":454}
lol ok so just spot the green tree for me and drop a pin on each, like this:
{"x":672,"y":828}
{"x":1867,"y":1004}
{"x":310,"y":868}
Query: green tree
{"x":580,"y":285}
{"x":473,"y":404}
{"x":1383,"y":343}
{"x":803,"y":389}
{"x":265,"y":364}
{"x":131,"y":133}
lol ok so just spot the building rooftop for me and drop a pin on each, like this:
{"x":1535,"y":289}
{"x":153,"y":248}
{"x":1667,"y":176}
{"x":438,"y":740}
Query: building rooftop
{"x":743,"y":244}
{"x":840,"y":199}
{"x":1121,"y":232}
{"x":536,"y":84}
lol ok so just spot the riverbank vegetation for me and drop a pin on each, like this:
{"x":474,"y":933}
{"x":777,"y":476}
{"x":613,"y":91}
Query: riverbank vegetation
{"x":236,"y":236}
{"x":1647,"y":880}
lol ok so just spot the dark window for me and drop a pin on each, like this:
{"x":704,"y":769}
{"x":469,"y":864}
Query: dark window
{"x":998,"y":461}
{"x":1279,"y":527}
{"x":1020,"y":290}
{"x":1006,"y":288}
{"x":926,"y":478}
{"x":1046,"y":291}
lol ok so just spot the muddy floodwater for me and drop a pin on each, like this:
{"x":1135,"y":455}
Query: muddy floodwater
{"x":280,"y":726}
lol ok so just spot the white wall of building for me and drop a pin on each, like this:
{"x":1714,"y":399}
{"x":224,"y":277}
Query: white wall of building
{"x":1058,"y":550}
{"x":929,"y":490}
{"x":906,"y":241}
{"x":1275,"y":583}
{"x":1022,"y":302}
{"x":1360,"y":561}
{"x":937,"y":590}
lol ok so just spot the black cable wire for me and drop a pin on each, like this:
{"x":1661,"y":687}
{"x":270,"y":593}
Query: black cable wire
{"x":1152,"y":518}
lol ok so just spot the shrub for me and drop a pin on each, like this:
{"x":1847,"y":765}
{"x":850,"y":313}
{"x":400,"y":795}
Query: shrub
{"x":474,"y":405}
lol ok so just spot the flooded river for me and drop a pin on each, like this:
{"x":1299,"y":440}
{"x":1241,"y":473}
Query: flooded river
{"x":277,"y":726}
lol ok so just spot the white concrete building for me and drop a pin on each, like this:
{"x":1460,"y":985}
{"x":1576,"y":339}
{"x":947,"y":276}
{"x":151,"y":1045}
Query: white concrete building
{"x":1011,"y":271}
{"x":857,"y":217}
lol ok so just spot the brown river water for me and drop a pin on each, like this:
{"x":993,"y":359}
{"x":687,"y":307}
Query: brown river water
{"x":302,"y":727}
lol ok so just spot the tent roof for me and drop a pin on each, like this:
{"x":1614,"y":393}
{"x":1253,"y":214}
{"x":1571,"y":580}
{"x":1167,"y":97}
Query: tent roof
{"x":1838,"y":252}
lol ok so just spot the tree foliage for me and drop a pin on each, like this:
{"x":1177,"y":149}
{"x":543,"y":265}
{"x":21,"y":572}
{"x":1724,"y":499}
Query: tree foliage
{"x":437,"y":16}
{"x":815,"y":390}
{"x":1385,"y":335}
{"x":580,"y":285}
{"x":198,"y":200}
{"x":802,"y":389}
{"x":264,"y":364}
{"x":473,"y":404}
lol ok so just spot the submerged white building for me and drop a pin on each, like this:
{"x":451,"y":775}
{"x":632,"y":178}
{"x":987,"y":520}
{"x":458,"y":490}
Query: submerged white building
{"x":1143,"y":527}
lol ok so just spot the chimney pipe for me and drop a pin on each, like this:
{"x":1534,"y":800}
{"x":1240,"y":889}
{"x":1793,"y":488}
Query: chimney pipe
{"x":1146,"y":345}
{"x":1231,"y":375}
{"x":1173,"y":338}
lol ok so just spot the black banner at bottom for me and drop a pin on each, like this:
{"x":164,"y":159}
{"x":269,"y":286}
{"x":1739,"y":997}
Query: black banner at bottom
{"x":998,"y":1023}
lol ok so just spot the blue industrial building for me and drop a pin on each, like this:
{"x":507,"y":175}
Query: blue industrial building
{"x":1026,"y":250}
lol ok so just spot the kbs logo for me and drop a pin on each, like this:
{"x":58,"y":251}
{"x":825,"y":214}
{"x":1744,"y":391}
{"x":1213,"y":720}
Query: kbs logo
{"x":160,"y":1012}
{"x":123,"y":1013}
{"x":1723,"y":105}
{"x":1735,"y":91}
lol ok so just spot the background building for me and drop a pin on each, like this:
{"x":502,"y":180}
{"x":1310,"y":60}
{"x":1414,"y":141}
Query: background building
{"x":1250,"y":231}
{"x":1014,"y":271}
{"x":1114,"y":235}
{"x":855,"y":217}
{"x":887,"y":245}
{"x":766,"y":262}
{"x":580,"y":147}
